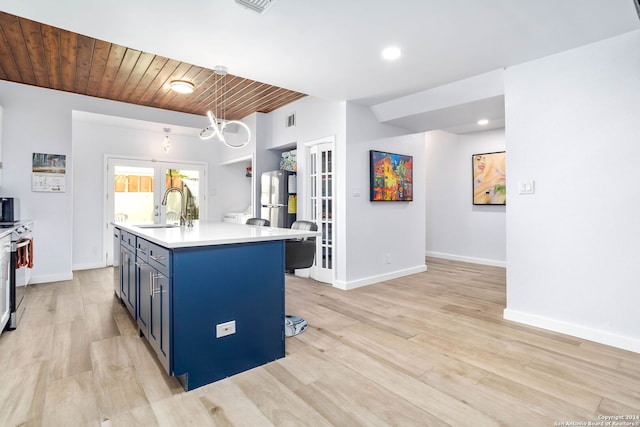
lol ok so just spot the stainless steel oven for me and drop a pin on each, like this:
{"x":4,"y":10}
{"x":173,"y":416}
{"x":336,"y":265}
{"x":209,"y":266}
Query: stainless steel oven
{"x":20,"y":269}
{"x":5,"y":260}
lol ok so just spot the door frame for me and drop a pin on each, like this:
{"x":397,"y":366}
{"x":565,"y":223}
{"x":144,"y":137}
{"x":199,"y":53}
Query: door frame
{"x":314,"y":271}
{"x":108,"y":190}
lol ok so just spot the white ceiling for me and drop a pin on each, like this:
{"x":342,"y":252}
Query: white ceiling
{"x":331,"y":49}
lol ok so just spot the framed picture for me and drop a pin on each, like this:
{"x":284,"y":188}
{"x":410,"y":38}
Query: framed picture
{"x":391,"y":177}
{"x":48,"y":172}
{"x":489,"y":178}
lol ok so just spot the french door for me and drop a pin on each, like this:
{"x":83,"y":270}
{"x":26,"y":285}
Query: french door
{"x":322,"y":189}
{"x":135,"y":190}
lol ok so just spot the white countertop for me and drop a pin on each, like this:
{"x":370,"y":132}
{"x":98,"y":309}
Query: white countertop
{"x":212,"y":233}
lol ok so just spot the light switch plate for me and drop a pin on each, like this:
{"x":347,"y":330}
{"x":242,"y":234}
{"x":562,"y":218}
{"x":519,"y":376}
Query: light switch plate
{"x":526,"y":187}
{"x":226,"y":328}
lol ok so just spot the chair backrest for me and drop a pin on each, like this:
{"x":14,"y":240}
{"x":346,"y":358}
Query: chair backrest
{"x":258,"y":221}
{"x":300,"y":253}
{"x":306,"y":226}
{"x":120,"y":217}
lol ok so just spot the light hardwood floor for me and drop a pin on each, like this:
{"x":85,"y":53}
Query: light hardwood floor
{"x":428,"y":349}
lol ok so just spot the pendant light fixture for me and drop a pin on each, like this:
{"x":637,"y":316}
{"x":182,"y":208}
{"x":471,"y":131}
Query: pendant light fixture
{"x":233,"y":133}
{"x":166,"y":144}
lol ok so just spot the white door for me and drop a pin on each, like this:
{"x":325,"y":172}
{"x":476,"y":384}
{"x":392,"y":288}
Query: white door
{"x":322,"y":189}
{"x":135,"y":190}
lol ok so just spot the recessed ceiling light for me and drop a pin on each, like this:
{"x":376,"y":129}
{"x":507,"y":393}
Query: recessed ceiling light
{"x":181,"y":86}
{"x":483,"y":122}
{"x":391,"y":53}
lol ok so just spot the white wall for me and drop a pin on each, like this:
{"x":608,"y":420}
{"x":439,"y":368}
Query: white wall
{"x":360,"y":253}
{"x":40,"y":120}
{"x":374,"y":231}
{"x":233,"y":192}
{"x":315,"y":119}
{"x":35,"y":123}
{"x":573,"y":247}
{"x":455,"y":228}
{"x":90,"y":143}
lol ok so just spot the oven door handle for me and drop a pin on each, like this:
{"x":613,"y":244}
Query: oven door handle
{"x":22,"y":244}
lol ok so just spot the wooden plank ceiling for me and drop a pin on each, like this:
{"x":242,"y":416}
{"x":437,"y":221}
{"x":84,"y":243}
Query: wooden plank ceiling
{"x":41,"y":55}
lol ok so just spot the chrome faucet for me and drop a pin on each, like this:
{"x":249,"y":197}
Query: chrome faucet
{"x":183,"y":218}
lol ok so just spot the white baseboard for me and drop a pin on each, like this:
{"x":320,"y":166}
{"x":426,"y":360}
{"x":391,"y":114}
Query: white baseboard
{"x":599,"y":336}
{"x":88,"y":266}
{"x":452,"y":257}
{"x":63,"y":277}
{"x":345,"y":286}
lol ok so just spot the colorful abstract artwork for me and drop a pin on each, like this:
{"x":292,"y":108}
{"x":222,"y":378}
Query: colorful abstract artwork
{"x":391,"y":177}
{"x":489,"y":179}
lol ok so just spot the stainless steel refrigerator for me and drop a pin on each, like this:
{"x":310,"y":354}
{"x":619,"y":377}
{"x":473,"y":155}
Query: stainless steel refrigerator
{"x":275,"y":196}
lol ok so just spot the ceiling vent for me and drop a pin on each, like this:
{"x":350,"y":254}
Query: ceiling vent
{"x":258,"y":6}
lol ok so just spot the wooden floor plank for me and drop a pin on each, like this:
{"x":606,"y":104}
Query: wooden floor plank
{"x":229,"y":406}
{"x":117,"y":386}
{"x":70,"y":350}
{"x":181,"y":410}
{"x":427,"y":349}
{"x":279,"y":404}
{"x":71,"y":401}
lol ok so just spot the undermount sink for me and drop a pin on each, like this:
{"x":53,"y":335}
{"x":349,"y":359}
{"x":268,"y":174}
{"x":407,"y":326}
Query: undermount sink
{"x":158,"y":225}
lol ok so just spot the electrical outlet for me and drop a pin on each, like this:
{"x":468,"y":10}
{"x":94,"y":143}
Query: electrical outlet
{"x":388,"y":258}
{"x":226,"y":328}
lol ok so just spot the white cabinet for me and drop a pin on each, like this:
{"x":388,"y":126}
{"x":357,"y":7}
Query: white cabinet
{"x":236,"y":217}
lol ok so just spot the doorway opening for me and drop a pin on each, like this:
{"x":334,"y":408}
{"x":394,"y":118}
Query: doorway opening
{"x":135,"y":189}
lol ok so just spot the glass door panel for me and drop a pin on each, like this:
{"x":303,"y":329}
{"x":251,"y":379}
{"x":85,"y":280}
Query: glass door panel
{"x":321,"y":207}
{"x":133,"y":197}
{"x":186,"y":200}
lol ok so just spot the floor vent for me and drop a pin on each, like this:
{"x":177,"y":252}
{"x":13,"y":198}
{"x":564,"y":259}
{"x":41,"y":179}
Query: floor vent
{"x":291,"y":120}
{"x":258,"y":6}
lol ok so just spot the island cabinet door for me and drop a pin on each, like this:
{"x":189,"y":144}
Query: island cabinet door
{"x":128,"y":280}
{"x":145,"y":274}
{"x":159,"y":323}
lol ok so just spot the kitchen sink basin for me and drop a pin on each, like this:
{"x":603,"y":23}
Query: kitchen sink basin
{"x":158,"y":226}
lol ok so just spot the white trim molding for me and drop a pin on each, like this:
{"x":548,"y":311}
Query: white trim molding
{"x":452,"y":257}
{"x":50,"y":278}
{"x":579,"y":331}
{"x":346,"y":286}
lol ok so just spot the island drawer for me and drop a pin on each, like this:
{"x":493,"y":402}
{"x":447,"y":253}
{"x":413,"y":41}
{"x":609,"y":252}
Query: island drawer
{"x":159,"y":258}
{"x":128,"y":239}
{"x":142,"y":249}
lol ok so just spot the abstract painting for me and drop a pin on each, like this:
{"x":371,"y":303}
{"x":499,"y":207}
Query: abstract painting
{"x":489,"y":179}
{"x":391,"y":177}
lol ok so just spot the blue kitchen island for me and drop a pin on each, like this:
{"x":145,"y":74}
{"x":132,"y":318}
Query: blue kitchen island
{"x":208,"y":298}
